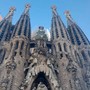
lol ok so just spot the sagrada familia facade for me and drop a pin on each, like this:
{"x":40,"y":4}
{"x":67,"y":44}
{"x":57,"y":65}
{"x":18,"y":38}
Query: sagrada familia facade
{"x":36,"y":63}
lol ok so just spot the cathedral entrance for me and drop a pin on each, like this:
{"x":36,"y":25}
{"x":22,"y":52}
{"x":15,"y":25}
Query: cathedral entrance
{"x":41,"y":82}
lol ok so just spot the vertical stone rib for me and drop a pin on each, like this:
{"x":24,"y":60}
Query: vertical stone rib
{"x":28,"y":32}
{"x":22,"y":27}
{"x":6,"y":32}
{"x":83,"y":36}
{"x":12,"y":50}
{"x":19,"y":26}
{"x":25,"y":26}
{"x":19,"y":46}
{"x":2,"y":30}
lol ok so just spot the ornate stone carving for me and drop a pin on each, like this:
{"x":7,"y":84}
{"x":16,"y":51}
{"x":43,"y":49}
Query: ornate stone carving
{"x":40,"y":86}
{"x":73,"y":70}
{"x":87,"y":75}
{"x":23,"y":85}
{"x":71,"y":67}
{"x":11,"y":65}
{"x":77,"y":84}
{"x":4,"y":83}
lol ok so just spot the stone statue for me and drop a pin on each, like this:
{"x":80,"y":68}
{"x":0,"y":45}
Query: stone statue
{"x":41,"y":86}
{"x":77,"y":84}
{"x":87,"y":78}
{"x":34,"y":88}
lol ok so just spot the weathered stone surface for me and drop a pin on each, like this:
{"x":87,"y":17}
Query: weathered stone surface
{"x":39,"y":64}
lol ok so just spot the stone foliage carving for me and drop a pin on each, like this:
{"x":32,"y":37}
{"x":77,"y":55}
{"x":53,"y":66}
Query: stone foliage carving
{"x":87,"y":75}
{"x":71,"y":67}
{"x":39,"y":63}
{"x":40,"y":86}
{"x":4,"y":83}
{"x":11,"y":65}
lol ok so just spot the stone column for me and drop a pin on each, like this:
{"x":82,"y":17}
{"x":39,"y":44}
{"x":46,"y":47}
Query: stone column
{"x":12,"y":50}
{"x":18,"y":72}
{"x":63,"y":74}
{"x":19,"y":47}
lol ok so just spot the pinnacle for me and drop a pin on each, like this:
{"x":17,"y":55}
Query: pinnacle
{"x":54,"y":10}
{"x":27,"y":7}
{"x":53,"y":7}
{"x":68,"y":15}
{"x":67,"y":12}
{"x":12,"y":9}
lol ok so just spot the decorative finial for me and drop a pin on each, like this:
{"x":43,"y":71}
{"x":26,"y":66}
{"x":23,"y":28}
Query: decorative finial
{"x":67,"y":13}
{"x":54,"y":10}
{"x":53,"y":7}
{"x":11,"y":11}
{"x":27,"y":7}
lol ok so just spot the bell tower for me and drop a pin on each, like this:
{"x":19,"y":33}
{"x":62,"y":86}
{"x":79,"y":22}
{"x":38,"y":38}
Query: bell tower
{"x":17,"y":54}
{"x":79,"y":39}
{"x":61,"y":44}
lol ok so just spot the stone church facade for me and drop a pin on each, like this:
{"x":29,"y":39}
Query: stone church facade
{"x":61,"y":63}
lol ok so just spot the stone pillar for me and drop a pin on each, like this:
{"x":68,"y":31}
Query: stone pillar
{"x":19,"y":47}
{"x":19,"y":25}
{"x":18,"y":73}
{"x":23,"y":27}
{"x":24,"y":50}
{"x":63,"y":74}
{"x":12,"y":50}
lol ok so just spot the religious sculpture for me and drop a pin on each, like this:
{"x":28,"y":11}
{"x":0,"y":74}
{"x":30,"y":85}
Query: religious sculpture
{"x":40,"y":86}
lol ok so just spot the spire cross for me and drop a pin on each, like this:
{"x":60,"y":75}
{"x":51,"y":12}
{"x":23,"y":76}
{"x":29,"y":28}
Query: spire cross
{"x":11,"y":11}
{"x":54,"y":9}
{"x":67,"y":13}
{"x":27,"y":8}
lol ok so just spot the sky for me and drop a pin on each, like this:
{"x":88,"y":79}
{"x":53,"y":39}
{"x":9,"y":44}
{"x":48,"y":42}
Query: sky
{"x":41,"y":13}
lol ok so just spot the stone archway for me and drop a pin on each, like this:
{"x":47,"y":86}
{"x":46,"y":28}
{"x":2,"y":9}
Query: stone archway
{"x":42,"y":80}
{"x":44,"y":74}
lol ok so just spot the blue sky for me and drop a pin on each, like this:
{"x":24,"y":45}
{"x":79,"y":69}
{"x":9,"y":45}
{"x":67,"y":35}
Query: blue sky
{"x":40,"y":12}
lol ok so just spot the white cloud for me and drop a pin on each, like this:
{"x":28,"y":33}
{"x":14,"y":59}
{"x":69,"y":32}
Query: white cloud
{"x":48,"y":34}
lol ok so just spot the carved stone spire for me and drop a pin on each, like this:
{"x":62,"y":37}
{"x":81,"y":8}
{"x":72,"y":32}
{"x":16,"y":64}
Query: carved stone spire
{"x":54,"y":10}
{"x":68,"y":16}
{"x":67,"y":13}
{"x":5,"y":25}
{"x":76,"y":34}
{"x":23,"y":27}
{"x":27,"y":7}
{"x":10,"y":14}
{"x":58,"y":29}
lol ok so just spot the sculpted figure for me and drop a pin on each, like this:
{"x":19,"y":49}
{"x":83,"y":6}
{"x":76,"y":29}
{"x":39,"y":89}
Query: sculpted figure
{"x":41,"y":86}
{"x":77,"y":83}
{"x":34,"y":88}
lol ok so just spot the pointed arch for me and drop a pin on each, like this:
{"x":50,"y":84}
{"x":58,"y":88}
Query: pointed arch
{"x":84,"y":55}
{"x":41,"y":78}
{"x":44,"y":74}
{"x":59,"y":47}
{"x":65,"y":47}
{"x":2,"y":55}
